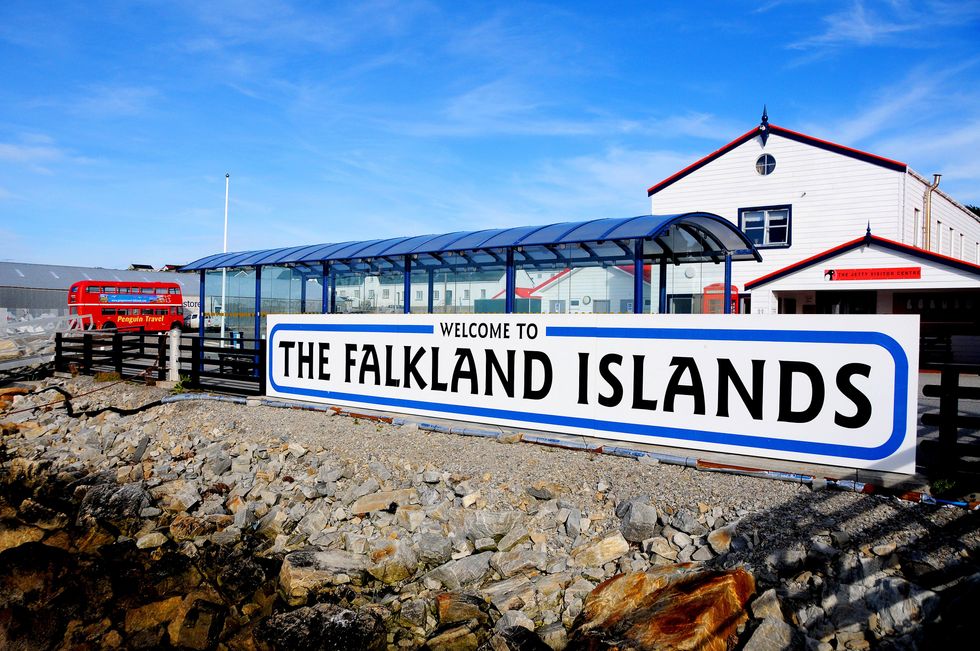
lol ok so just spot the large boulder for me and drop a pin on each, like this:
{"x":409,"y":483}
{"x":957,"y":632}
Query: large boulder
{"x":669,"y":607}
{"x":326,"y":626}
{"x":114,"y":504}
{"x":306,"y":572}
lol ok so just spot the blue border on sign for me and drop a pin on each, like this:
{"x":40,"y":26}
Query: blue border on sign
{"x":899,"y":412}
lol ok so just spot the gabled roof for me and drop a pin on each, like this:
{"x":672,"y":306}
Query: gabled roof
{"x":867,"y":240}
{"x":786,"y":133}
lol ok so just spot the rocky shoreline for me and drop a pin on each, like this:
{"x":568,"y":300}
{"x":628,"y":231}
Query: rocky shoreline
{"x":208,"y":525}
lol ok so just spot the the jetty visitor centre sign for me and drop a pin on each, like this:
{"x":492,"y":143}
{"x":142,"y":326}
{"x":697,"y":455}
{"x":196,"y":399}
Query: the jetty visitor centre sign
{"x":837,"y":390}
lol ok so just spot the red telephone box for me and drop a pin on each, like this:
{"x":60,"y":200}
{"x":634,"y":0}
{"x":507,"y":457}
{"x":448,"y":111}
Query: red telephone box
{"x":713,"y":299}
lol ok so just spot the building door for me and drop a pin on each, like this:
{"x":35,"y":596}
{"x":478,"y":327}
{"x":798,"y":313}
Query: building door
{"x":601,"y":306}
{"x":625,"y":306}
{"x":847,"y":302}
{"x":557,"y":307}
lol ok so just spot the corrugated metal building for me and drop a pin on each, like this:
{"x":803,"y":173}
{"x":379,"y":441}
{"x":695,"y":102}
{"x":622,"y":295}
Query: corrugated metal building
{"x":41,"y":289}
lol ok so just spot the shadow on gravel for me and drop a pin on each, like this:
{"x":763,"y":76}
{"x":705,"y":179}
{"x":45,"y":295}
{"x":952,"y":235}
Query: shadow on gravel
{"x":875,"y":571}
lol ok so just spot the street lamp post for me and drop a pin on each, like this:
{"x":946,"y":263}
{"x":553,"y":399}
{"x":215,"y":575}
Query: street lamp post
{"x":223,"y":269}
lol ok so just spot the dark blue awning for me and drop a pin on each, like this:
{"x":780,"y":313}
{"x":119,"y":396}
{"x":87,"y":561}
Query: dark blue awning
{"x":712,"y":233}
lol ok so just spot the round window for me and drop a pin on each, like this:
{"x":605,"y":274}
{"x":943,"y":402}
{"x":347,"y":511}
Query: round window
{"x":765,"y":164}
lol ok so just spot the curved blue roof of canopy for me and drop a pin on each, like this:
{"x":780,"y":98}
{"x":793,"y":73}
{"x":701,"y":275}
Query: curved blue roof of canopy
{"x":725,"y":236}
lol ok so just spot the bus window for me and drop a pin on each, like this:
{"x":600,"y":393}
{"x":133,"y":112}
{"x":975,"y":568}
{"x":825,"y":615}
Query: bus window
{"x":174,"y":290}
{"x":95,"y":289}
{"x":146,"y":290}
{"x":108,"y":311}
{"x":146,"y":310}
{"x":108,"y":290}
{"x":159,"y":311}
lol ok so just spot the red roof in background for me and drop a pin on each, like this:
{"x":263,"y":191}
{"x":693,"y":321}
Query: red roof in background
{"x":786,"y":133}
{"x":528,"y":292}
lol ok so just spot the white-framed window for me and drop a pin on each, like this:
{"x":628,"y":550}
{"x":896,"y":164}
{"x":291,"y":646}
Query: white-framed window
{"x":371,"y":294}
{"x":357,"y":293}
{"x":767,"y":226}
{"x":385,"y":293}
{"x":435,"y":295}
{"x":483,"y":293}
{"x":418,"y":295}
{"x":466,"y":294}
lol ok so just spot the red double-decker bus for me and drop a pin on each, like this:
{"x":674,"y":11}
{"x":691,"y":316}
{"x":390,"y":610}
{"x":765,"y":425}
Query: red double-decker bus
{"x":127,"y":305}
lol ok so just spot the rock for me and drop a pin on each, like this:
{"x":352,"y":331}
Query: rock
{"x":392,"y":561}
{"x":554,"y":635}
{"x":659,"y":546}
{"x":510,"y":563}
{"x":197,"y":625}
{"x":884,"y":549}
{"x":462,"y":572}
{"x":511,"y":618}
{"x":117,"y":505}
{"x":593,"y":554}
{"x":492,"y":524}
{"x":306,"y":572}
{"x":702,"y":554}
{"x":431,"y":476}
{"x":670,"y":607}
{"x":187,"y":527}
{"x":685,"y":520}
{"x":639,"y":521}
{"x":434,"y":549}
{"x":383,"y":501}
{"x":14,"y":534}
{"x":151,"y":540}
{"x":461,"y":638}
{"x":515,"y":537}
{"x":773,"y":635}
{"x":900,"y":605}
{"x":41,"y":516}
{"x":515,"y":637}
{"x":766,"y":606}
{"x":178,"y":495}
{"x":454,"y":607}
{"x":325,"y":626}
{"x":515,"y":593}
{"x":410,"y":516}
{"x":573,"y":524}
{"x":721,"y":539}
{"x":545,"y":490}
{"x":152,"y":615}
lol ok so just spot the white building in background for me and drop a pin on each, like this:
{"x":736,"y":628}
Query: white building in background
{"x":840,"y":230}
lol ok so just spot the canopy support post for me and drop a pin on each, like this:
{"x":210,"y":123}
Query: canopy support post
{"x":258,"y":305}
{"x":662,"y":309}
{"x":638,"y":276}
{"x":728,"y":283}
{"x":431,"y":301}
{"x":407,"y":286}
{"x":200,"y":308}
{"x":510,"y":283}
{"x":324,"y":288}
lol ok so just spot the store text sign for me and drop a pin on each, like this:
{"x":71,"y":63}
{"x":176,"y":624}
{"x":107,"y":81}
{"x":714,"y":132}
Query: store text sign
{"x":881,"y":273}
{"x":838,"y":390}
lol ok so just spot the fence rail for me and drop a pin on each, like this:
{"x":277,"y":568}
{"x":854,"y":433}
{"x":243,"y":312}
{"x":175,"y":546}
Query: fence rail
{"x":208,"y":364}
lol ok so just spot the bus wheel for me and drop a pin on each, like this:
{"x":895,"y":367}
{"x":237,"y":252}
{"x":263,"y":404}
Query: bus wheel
{"x":108,"y":325}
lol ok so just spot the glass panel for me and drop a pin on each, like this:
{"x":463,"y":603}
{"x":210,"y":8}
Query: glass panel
{"x":239,"y":301}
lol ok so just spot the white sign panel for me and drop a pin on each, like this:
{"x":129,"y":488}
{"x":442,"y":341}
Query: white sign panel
{"x":837,"y":390}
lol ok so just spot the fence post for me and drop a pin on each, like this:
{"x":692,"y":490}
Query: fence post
{"x":173,"y":359}
{"x":87,"y":352}
{"x":948,"y":413}
{"x":261,"y":366}
{"x":58,"y":366}
{"x":117,"y":352}
{"x":197,"y":361}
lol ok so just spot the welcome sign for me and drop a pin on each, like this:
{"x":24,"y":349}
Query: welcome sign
{"x":837,"y":390}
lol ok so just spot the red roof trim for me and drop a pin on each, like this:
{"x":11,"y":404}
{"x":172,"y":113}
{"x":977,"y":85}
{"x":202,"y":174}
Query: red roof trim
{"x":526,"y":292}
{"x":786,"y":133}
{"x":867,"y":240}
{"x":702,"y":162}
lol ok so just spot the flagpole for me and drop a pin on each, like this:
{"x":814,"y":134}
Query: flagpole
{"x":223,"y":269}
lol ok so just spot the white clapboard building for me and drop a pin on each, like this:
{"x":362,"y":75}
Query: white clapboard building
{"x":840,"y":230}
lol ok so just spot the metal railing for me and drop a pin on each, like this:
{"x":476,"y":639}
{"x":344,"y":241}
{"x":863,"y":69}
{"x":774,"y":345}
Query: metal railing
{"x":210,"y":364}
{"x":951,"y":419}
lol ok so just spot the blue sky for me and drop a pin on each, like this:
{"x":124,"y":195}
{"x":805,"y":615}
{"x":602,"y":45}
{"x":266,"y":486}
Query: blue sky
{"x":340,"y":121}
